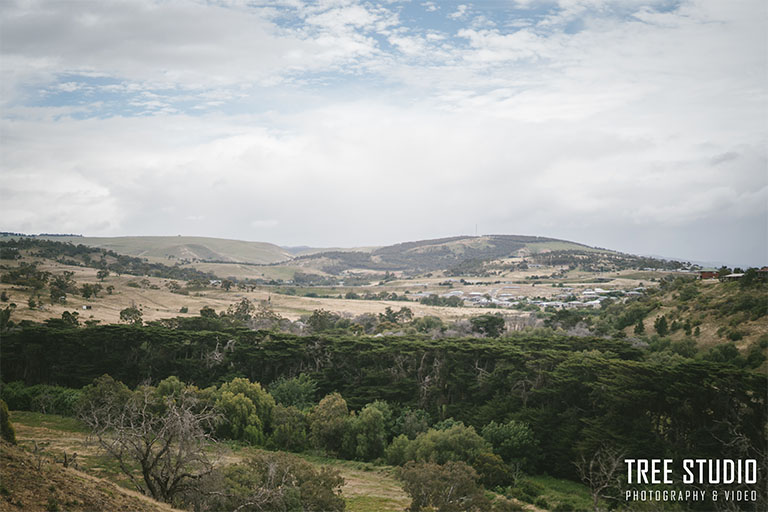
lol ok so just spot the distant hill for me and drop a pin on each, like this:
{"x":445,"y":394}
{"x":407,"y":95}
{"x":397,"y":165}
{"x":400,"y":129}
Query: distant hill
{"x":435,"y":254}
{"x":185,"y":248}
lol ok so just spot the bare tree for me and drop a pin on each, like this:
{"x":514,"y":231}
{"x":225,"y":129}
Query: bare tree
{"x":164,"y":437}
{"x":601,"y":473}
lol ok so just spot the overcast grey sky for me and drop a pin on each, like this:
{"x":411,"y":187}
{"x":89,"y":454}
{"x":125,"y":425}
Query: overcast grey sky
{"x":634,"y":125}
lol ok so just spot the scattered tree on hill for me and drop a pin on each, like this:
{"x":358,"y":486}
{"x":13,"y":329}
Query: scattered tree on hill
{"x":661,"y":326}
{"x":131,"y":315}
{"x":102,"y":274}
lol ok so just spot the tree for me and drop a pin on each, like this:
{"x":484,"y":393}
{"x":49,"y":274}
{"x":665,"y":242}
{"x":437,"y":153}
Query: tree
{"x":488,"y":325}
{"x":327,"y":423}
{"x":241,"y":311}
{"x":227,"y":284}
{"x":602,"y":474}
{"x":661,"y":326}
{"x":247,"y":409}
{"x":513,"y":441}
{"x":289,"y":429}
{"x":322,"y":320}
{"x":166,"y":437}
{"x":5,"y":316}
{"x":102,"y":274}
{"x":131,"y":315}
{"x":61,"y":285}
{"x":639,"y":327}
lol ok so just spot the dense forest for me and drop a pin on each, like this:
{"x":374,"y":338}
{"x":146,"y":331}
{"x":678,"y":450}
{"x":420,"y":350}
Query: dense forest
{"x":577,"y":395}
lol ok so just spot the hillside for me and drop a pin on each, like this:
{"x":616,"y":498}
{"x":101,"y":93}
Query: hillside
{"x":185,"y":248}
{"x":435,"y":254}
{"x":34,"y":484}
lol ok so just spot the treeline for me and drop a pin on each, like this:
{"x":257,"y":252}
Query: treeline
{"x":575,"y":394}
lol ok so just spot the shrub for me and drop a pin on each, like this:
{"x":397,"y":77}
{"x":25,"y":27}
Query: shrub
{"x":450,"y":487}
{"x":7,"y":431}
{"x":268,"y":481}
{"x":41,"y":398}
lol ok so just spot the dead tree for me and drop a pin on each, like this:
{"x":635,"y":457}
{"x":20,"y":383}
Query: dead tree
{"x":164,"y":437}
{"x":602,"y":473}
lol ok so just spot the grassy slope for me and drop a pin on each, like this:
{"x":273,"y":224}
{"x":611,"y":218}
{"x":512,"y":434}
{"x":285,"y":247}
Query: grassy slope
{"x":367,"y":487}
{"x":36,"y":483}
{"x":160,"y":247}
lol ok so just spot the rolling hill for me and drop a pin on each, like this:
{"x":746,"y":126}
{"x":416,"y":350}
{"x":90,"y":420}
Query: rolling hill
{"x":435,"y":254}
{"x":185,"y":248}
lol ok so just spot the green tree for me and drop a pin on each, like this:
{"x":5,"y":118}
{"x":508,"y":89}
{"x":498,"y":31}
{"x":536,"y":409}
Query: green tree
{"x":661,"y":326}
{"x":289,"y":429}
{"x":513,"y":441}
{"x":297,"y":391}
{"x":131,"y":315}
{"x":639,"y":327}
{"x":102,"y":274}
{"x":328,"y":422}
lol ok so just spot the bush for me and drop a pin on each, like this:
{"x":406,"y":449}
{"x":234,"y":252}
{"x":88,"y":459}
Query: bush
{"x":268,"y":481}
{"x":451,"y":487}
{"x":41,"y":398}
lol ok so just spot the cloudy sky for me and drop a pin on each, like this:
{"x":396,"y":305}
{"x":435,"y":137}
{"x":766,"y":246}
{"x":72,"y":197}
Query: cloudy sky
{"x":640,"y":126}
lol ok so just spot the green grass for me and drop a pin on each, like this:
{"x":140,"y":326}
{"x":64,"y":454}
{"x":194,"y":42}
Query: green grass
{"x":370,"y":504}
{"x":556,"y":491}
{"x":51,"y":421}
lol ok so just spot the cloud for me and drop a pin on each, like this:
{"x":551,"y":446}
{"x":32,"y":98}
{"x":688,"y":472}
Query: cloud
{"x":633,"y":125}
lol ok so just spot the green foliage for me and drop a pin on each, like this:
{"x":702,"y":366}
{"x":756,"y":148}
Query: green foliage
{"x":297,"y":391}
{"x":661,"y":326}
{"x":247,"y":410}
{"x":131,"y":315}
{"x":7,"y":431}
{"x":289,"y":429}
{"x":328,"y":423}
{"x":457,"y":443}
{"x":514,"y":441}
{"x":412,"y":422}
{"x":41,"y":398}
{"x":365,"y":436}
{"x":450,"y":487}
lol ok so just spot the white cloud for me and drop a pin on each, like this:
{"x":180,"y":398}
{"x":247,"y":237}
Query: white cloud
{"x":641,"y":125}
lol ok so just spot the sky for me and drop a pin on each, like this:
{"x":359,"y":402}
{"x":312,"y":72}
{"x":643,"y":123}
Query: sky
{"x":640,"y":126}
